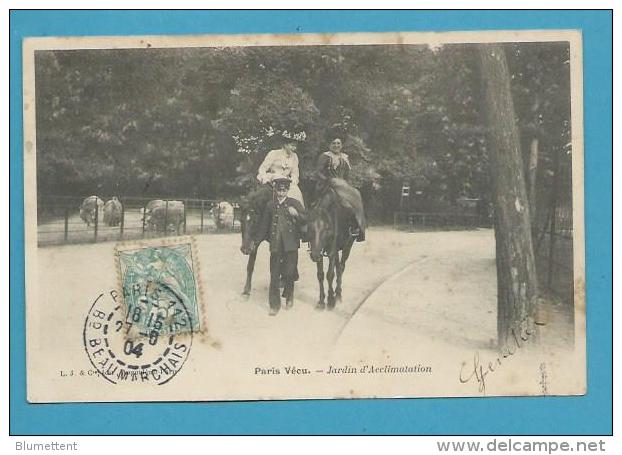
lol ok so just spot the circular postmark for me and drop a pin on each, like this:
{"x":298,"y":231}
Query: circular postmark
{"x":144,"y":343}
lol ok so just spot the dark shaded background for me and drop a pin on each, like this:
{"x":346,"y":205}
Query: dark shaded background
{"x":196,"y":122}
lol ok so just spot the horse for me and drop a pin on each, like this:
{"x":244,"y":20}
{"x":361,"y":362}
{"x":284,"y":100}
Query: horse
{"x":329,"y":235}
{"x":251,"y":209}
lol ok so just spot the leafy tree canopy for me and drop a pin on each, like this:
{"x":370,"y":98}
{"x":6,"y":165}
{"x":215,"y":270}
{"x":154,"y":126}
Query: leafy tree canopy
{"x":196,"y":122}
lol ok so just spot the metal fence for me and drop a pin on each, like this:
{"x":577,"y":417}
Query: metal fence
{"x":59,"y":220}
{"x":414,"y":221}
{"x":553,"y":230}
{"x":464,"y":214}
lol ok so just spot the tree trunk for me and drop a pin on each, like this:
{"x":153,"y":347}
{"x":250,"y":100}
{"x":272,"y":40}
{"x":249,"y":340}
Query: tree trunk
{"x":533,"y":176}
{"x":516,"y":273}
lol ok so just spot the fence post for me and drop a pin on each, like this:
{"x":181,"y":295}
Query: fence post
{"x":66,"y":223}
{"x":185,"y":212}
{"x":144,"y":218}
{"x":202,"y":213}
{"x":218,"y":218}
{"x":96,"y":221}
{"x":122,"y":226}
{"x":551,"y":250}
{"x":552,"y":230}
{"x":166,"y":218}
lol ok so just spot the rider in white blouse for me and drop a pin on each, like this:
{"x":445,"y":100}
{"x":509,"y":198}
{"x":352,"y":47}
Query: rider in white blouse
{"x":282,"y":162}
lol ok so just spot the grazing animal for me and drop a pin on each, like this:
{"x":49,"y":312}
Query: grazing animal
{"x":329,"y":233}
{"x":112,"y":212}
{"x":146,"y":211}
{"x":89,"y":209}
{"x":164,"y":216}
{"x":223,"y":214}
{"x":251,"y":210}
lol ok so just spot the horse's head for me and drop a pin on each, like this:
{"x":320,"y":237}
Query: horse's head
{"x":248,"y":224}
{"x":320,"y":229}
{"x":251,"y":209}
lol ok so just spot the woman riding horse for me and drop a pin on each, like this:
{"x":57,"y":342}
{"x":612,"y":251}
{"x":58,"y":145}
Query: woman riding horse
{"x":333,"y":170}
{"x":278,"y":164}
{"x":283,"y":163}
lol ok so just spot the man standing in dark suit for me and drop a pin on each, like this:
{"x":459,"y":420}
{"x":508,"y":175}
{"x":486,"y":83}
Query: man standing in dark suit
{"x":280,"y":224}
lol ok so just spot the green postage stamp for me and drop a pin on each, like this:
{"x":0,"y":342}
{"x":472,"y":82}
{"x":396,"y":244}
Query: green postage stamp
{"x":158,"y":281}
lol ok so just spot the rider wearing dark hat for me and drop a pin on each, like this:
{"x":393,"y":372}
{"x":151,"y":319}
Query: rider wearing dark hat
{"x":280,"y":224}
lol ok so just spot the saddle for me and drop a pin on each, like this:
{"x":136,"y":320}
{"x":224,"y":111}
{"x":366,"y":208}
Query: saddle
{"x":349,"y":198}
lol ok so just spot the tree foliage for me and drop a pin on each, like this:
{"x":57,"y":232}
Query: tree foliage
{"x":196,"y":122}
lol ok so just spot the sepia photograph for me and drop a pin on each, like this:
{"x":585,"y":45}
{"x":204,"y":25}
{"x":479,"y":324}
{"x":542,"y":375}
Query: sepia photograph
{"x":259,"y":217}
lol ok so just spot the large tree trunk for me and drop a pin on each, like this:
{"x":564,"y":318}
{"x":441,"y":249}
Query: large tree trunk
{"x":533,"y":176}
{"x":516,"y":273}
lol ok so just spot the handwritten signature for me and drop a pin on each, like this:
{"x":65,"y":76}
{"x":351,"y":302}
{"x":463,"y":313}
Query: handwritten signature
{"x":479,"y":371}
{"x":543,"y":377}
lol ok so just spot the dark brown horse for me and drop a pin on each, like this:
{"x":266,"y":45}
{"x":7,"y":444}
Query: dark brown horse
{"x":329,"y":235}
{"x":251,"y":208}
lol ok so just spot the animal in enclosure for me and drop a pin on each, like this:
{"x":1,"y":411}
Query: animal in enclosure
{"x":223,"y":214}
{"x":113,"y":211}
{"x":90,"y":209}
{"x":330,"y":233}
{"x":251,"y":210}
{"x":151,"y":204}
{"x":146,"y":211}
{"x":164,"y":216}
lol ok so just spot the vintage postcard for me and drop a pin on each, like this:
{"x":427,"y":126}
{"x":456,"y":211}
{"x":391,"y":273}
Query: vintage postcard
{"x":266,"y":217}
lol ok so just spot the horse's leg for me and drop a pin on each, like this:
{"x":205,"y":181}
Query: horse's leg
{"x":330,"y":276}
{"x":250,"y":266}
{"x":321,"y":304}
{"x":339,"y":272}
{"x":341,"y":267}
